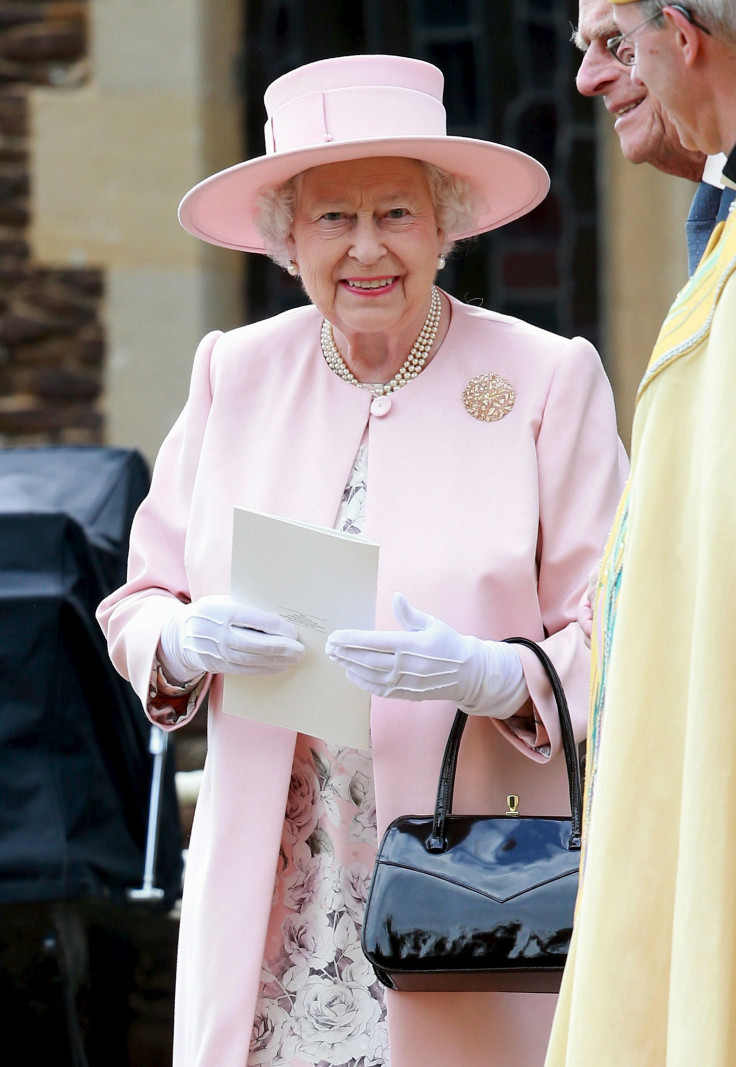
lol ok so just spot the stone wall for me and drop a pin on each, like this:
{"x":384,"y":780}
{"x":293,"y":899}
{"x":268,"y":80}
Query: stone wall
{"x":52,"y":341}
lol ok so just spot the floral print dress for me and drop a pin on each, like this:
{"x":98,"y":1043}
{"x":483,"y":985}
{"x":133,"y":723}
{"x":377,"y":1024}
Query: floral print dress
{"x":319,"y":1001}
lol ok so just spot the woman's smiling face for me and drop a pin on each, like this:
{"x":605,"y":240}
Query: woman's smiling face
{"x":366,"y":241}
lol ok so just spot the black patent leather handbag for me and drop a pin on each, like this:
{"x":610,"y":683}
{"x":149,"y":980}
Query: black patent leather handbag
{"x":462,"y":903}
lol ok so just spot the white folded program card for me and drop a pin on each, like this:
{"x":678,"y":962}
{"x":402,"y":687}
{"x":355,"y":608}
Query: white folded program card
{"x":320,"y":580}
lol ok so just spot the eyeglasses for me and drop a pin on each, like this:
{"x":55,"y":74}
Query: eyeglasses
{"x":624,"y":51}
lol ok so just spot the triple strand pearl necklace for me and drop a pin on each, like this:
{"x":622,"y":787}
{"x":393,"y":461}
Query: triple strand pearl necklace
{"x":413,"y":365}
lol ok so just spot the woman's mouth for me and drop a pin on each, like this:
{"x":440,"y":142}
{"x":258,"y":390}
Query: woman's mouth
{"x":369,"y":285}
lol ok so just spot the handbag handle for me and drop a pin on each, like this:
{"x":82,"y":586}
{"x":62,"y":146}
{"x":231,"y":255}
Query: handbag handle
{"x":437,"y":842}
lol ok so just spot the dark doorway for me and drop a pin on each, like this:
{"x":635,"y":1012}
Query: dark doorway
{"x":509,"y":72}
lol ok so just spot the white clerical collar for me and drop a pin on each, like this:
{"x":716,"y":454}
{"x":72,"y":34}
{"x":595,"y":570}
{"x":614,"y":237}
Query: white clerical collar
{"x":712,"y":173}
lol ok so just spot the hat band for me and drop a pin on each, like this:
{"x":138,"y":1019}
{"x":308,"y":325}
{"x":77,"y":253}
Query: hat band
{"x":354,"y":114}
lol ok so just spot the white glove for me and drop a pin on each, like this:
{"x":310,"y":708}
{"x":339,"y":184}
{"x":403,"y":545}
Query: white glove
{"x":218,"y":635}
{"x":432,"y":662}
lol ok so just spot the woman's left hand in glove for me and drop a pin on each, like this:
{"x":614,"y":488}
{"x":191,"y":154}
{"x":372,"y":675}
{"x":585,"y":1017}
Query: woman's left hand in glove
{"x":428,"y":660}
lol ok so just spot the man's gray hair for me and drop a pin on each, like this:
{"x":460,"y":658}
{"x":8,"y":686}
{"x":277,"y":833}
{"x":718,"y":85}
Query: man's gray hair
{"x":718,"y":15}
{"x":454,"y":202}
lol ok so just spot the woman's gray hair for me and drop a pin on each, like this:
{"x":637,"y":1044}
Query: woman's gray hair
{"x":718,"y":15}
{"x":454,"y":202}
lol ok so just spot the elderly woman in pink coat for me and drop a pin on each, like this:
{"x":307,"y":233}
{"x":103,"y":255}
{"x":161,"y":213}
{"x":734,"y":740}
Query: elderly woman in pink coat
{"x":478,"y":451}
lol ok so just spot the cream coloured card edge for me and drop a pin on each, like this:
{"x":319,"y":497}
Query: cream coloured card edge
{"x":321,"y":580}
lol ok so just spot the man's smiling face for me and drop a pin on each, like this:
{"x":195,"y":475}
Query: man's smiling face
{"x":645,"y":132}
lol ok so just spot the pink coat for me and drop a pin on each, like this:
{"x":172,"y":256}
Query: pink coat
{"x":490,"y":526}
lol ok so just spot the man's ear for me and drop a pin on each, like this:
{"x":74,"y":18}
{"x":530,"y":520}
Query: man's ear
{"x":687,"y":35}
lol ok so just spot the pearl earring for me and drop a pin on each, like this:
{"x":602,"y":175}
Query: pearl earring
{"x":441,"y":262}
{"x":293,"y":268}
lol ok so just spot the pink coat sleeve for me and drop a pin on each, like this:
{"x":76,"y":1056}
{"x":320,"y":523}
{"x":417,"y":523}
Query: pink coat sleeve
{"x":133,"y":616}
{"x":582,"y":470}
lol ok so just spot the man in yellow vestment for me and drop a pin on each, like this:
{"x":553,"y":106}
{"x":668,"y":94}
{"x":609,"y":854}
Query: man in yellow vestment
{"x":651,"y":979}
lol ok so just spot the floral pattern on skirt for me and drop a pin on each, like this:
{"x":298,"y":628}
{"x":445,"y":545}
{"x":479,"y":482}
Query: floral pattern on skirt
{"x":319,"y":1002}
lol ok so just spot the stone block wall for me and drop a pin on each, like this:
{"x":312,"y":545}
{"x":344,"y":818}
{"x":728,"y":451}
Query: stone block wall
{"x":52,"y":342}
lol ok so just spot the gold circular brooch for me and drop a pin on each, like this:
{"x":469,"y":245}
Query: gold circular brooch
{"x":489,"y":397}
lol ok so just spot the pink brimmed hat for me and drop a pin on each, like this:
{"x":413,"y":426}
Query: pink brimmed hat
{"x":356,"y":107}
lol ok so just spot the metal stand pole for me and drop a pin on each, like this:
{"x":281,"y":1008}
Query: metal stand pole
{"x":157,"y":746}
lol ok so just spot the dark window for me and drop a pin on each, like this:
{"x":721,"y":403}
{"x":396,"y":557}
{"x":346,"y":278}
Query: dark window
{"x":509,"y":76}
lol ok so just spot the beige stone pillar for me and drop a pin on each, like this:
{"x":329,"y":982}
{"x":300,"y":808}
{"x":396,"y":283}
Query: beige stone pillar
{"x":111,"y":162}
{"x":643,"y":262}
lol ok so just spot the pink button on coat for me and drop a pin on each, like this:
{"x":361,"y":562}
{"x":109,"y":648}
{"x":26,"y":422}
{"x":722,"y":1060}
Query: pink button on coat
{"x":490,"y":526}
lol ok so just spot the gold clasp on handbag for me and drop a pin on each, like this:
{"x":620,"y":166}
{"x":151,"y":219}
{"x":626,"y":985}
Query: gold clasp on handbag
{"x":513,"y":802}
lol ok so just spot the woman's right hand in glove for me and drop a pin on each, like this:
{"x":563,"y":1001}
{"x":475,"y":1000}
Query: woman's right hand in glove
{"x":220,"y":636}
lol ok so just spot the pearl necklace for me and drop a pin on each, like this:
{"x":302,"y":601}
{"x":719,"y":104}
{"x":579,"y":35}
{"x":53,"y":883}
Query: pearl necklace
{"x":413,"y":364}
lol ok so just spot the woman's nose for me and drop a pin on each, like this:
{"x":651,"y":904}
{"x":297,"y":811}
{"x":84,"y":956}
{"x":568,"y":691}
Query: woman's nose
{"x":367,"y":246}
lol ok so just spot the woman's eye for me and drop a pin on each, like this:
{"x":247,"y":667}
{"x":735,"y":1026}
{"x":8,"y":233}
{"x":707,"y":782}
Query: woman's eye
{"x":398,"y":213}
{"x":332,"y":216}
